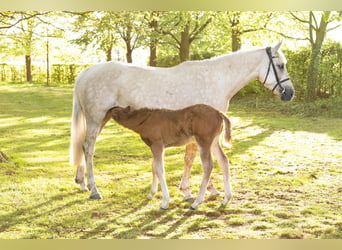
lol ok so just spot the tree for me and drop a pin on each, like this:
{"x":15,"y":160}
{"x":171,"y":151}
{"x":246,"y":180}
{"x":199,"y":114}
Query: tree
{"x":152,"y":19}
{"x":131,"y":28}
{"x":22,"y":28}
{"x":182,"y":28}
{"x":240,"y":23}
{"x":317,"y":27}
{"x":96,"y":29}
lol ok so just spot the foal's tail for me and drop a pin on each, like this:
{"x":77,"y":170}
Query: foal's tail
{"x":78,"y":130}
{"x":228,"y":129}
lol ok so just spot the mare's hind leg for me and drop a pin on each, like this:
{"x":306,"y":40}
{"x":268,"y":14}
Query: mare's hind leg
{"x":80,"y":172}
{"x":224,"y":164}
{"x":89,"y":149}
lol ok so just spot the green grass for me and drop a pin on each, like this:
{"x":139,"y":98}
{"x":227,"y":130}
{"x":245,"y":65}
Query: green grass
{"x":286,"y":177}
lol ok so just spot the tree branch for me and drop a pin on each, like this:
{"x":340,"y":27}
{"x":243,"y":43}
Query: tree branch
{"x":195,"y":33}
{"x":287,"y":36}
{"x":339,"y":25}
{"x":172,"y":35}
{"x":10,"y":25}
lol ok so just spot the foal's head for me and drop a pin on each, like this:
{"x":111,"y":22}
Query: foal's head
{"x":130,"y":118}
{"x":120,"y":113}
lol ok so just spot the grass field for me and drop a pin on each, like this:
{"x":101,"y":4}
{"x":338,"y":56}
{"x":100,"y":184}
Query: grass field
{"x":286,"y":176}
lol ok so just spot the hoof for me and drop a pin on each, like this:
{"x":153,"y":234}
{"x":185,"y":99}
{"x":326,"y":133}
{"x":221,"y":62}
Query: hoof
{"x":192,"y":208}
{"x":96,"y":197}
{"x":190,"y":200}
{"x":162,"y":208}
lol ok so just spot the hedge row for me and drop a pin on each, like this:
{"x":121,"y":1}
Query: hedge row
{"x":59,"y":73}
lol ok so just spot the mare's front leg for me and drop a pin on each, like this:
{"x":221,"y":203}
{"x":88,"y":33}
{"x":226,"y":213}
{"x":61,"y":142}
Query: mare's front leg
{"x":89,"y":149}
{"x":158,"y":169}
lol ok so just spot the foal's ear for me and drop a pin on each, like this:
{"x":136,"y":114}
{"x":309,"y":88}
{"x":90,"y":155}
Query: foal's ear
{"x":277,"y":46}
{"x":128,"y":109}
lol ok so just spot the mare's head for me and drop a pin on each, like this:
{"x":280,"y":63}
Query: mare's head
{"x":273,"y":73}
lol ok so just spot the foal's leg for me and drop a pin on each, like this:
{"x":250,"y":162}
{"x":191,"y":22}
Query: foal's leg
{"x":224,"y":164}
{"x":89,"y":149}
{"x":190,"y":154}
{"x":207,"y":166}
{"x":80,"y":173}
{"x":154,"y":187}
{"x":158,"y":168}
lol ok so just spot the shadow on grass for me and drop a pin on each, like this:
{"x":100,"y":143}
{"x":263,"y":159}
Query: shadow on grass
{"x":26,"y":215}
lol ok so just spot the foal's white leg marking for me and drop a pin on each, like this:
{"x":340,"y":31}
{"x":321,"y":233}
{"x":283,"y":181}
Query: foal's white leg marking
{"x":224,"y":164}
{"x":207,"y":166}
{"x":89,"y":148}
{"x":158,"y":166}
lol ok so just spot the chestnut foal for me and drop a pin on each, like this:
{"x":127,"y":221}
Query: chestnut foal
{"x":162,"y":128}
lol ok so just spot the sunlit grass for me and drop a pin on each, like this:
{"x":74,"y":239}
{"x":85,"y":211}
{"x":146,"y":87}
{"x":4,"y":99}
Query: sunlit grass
{"x":286,"y":177}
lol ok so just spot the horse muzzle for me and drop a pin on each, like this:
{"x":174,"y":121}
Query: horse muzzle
{"x":287,"y":94}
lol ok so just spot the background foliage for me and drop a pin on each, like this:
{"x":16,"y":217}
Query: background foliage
{"x":53,"y":47}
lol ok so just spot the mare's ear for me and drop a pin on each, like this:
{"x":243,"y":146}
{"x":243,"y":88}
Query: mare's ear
{"x":276,"y":47}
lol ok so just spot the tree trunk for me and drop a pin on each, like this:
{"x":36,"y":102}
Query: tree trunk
{"x":28,"y":68}
{"x":129,"y":54}
{"x":153,"y":55}
{"x":153,"y":45}
{"x":109,"y":53}
{"x":184,"y":49}
{"x":313,"y":69}
{"x":236,"y":39}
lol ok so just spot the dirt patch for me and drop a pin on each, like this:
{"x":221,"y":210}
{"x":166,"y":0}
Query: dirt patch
{"x":3,"y":157}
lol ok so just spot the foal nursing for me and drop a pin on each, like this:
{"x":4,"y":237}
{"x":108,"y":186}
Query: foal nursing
{"x":161,"y":128}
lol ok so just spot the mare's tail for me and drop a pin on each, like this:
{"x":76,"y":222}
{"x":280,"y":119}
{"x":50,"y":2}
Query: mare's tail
{"x":228,"y":129}
{"x":78,"y":131}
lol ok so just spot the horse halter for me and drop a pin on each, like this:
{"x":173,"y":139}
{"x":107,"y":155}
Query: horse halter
{"x":269,"y":53}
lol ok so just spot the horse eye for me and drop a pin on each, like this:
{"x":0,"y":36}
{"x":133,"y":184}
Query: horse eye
{"x":281,"y":66}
